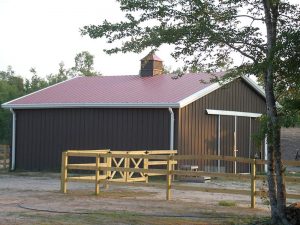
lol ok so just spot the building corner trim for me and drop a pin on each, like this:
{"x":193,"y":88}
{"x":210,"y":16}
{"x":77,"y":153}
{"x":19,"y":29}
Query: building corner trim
{"x":13,"y":145}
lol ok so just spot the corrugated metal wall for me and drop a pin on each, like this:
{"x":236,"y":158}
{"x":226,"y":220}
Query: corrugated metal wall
{"x":43,"y":134}
{"x":198,"y":131}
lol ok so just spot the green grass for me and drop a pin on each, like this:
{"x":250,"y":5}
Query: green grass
{"x":227,"y":203}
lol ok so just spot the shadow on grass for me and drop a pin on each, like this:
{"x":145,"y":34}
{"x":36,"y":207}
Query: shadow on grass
{"x":125,"y":217}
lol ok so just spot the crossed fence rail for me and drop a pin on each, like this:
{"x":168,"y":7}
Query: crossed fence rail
{"x":109,"y":163}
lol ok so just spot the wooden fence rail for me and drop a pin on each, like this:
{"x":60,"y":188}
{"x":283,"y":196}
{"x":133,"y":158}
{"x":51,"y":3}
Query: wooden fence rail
{"x":131,"y":163}
{"x":4,"y":156}
{"x":115,"y":166}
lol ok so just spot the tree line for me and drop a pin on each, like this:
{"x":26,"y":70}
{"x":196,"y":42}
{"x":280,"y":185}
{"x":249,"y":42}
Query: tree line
{"x":13,"y":86}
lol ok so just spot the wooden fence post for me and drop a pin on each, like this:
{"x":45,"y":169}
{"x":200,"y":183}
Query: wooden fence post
{"x":173,"y":168}
{"x":126,"y":165}
{"x":146,"y":166}
{"x":169,"y":177}
{"x":253,"y":184}
{"x":64,"y":172}
{"x":97,"y":174}
{"x":108,"y":172}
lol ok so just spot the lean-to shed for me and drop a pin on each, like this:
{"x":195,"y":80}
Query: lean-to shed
{"x":147,"y":111}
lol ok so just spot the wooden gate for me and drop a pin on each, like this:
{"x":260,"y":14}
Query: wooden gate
{"x":116,"y":166}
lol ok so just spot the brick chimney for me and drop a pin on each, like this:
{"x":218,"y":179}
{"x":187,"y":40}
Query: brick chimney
{"x":151,"y":65}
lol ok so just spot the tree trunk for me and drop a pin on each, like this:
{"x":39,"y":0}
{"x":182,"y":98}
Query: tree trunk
{"x":271,"y":158}
{"x":281,"y":191}
{"x":277,"y":192}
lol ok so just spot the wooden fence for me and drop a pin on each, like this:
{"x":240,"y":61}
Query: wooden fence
{"x":120,"y":160}
{"x":4,"y":156}
{"x":169,"y":160}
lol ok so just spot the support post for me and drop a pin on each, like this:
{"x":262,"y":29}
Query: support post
{"x":235,"y":143}
{"x":169,"y":177}
{"x":173,"y":168}
{"x":146,"y":166}
{"x":250,"y":143}
{"x":253,"y":184}
{"x":126,"y":165}
{"x":108,"y":172}
{"x":219,"y":142}
{"x":64,"y":172}
{"x":97,"y":174}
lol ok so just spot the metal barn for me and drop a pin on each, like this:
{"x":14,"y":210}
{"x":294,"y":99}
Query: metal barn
{"x":147,"y":111}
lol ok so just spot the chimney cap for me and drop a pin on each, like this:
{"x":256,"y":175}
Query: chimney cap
{"x":151,"y":56}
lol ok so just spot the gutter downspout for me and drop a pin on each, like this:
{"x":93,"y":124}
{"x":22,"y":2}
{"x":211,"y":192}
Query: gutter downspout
{"x":13,"y":147}
{"x":171,"y":128}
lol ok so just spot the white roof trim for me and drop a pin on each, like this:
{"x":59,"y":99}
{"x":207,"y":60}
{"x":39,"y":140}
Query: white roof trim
{"x":92,"y":105}
{"x":232,"y":113}
{"x":199,"y":94}
{"x":252,"y":83}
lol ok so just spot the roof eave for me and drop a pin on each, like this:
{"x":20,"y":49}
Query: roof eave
{"x":90,"y":105}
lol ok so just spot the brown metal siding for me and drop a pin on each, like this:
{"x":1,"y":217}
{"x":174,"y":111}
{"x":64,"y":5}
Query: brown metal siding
{"x":197,"y":131}
{"x":42,"y":134}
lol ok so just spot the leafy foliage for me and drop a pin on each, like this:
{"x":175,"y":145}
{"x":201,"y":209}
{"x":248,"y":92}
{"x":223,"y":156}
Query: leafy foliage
{"x":62,"y":75}
{"x":11,"y":86}
{"x":84,"y":62}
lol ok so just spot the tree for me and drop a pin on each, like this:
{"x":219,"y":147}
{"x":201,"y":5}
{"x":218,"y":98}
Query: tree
{"x":11,"y":86}
{"x":36,"y":83}
{"x":265,"y":33}
{"x":84,"y":65}
{"x":62,"y":75}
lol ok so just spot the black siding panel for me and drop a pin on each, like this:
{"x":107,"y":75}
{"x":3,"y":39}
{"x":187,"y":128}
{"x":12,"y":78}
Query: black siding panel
{"x":42,"y":134}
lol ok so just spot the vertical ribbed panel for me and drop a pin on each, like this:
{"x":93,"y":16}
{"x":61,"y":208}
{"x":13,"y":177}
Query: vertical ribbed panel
{"x":198,"y":130}
{"x":42,"y":134}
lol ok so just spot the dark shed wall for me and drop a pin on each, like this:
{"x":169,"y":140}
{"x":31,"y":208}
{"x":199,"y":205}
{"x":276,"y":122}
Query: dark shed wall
{"x":42,"y":134}
{"x":198,"y":131}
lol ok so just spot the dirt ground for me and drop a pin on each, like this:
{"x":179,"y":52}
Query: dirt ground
{"x":34,"y":198}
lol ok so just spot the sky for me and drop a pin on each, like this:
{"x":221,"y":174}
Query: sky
{"x":42,"y":33}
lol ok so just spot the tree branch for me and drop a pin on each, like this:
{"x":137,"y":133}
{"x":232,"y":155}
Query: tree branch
{"x":247,"y":16}
{"x":240,"y":51}
{"x":251,"y":45}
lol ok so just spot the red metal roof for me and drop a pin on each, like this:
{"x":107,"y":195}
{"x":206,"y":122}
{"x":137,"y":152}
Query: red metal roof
{"x":160,"y":89}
